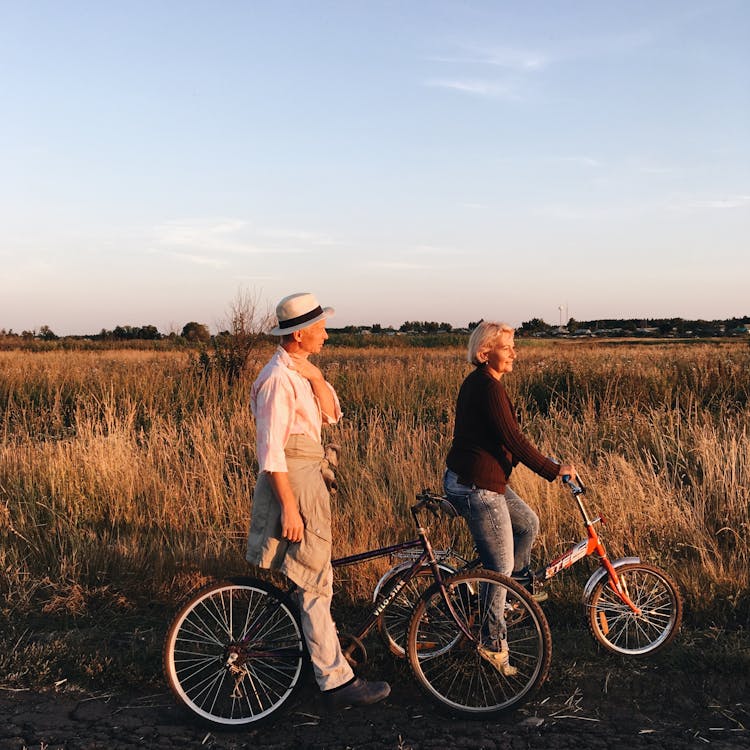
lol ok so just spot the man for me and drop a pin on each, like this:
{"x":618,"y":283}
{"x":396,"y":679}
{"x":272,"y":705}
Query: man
{"x":290,"y":528}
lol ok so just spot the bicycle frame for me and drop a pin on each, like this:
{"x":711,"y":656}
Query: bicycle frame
{"x":419,"y":561}
{"x":426,"y":558}
{"x":592,"y":545}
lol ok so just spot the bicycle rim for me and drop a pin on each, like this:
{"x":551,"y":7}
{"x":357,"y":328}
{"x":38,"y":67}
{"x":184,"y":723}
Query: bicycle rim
{"x":447,"y":663}
{"x":616,"y":627}
{"x":218,"y":677}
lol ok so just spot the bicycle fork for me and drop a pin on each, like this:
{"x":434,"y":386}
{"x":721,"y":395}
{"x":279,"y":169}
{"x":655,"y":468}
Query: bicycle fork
{"x":620,"y":586}
{"x":433,"y":563}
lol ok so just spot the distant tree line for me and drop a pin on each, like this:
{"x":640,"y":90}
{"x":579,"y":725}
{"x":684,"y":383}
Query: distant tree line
{"x":130,"y":333}
{"x":424,"y":326}
{"x":668,"y":327}
{"x":192,"y":332}
{"x":245,"y":329}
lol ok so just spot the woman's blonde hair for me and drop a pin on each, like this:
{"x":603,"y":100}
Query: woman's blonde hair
{"x":482,"y":338}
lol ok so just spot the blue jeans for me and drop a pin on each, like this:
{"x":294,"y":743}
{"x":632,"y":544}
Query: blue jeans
{"x":504,"y":529}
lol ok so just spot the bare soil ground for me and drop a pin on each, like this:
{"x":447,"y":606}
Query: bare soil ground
{"x":697,"y":693}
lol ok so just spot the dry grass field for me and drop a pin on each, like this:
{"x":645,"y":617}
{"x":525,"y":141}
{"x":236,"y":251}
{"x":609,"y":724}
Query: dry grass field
{"x":126,"y":477}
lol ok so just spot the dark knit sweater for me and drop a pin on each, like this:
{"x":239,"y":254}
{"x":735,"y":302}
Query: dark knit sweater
{"x":487,"y":440}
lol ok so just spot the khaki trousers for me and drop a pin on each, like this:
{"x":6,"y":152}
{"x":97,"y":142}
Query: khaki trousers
{"x":329,"y":664}
{"x":307,"y":563}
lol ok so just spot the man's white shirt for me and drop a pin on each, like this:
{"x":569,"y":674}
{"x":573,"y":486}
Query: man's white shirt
{"x":284,"y":404}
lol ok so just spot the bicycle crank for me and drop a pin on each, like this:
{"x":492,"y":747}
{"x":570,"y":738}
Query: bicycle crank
{"x":354,"y":650}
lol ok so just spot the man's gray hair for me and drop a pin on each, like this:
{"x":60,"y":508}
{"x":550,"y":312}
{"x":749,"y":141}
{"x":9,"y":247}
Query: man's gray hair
{"x":482,"y":338}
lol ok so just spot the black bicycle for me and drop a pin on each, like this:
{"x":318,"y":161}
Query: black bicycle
{"x":234,"y":653}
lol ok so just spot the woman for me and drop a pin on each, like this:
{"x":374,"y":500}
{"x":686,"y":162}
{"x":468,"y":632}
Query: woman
{"x":487,"y":444}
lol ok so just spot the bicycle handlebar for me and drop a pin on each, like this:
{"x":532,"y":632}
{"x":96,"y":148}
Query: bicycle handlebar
{"x":576,"y":487}
{"x":434,"y":503}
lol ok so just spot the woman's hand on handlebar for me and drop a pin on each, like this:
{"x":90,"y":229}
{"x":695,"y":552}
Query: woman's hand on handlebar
{"x":567,"y":470}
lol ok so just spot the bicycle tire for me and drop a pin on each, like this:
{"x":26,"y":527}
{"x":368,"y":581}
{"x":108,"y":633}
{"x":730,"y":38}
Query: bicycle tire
{"x":620,"y":630}
{"x":447,"y":664}
{"x":221,"y":680}
{"x":393,"y":623}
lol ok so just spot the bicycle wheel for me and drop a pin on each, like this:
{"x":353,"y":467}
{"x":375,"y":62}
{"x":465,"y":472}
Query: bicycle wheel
{"x":618,"y":628}
{"x":393,"y":623}
{"x":233,"y":654}
{"x":446,"y":661}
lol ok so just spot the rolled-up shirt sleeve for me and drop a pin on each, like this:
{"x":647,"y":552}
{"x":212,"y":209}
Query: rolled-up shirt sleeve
{"x":332,"y":418}
{"x":274,"y":410}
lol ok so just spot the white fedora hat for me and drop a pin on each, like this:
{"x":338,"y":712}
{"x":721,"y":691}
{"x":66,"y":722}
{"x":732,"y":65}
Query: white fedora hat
{"x":298,"y":311}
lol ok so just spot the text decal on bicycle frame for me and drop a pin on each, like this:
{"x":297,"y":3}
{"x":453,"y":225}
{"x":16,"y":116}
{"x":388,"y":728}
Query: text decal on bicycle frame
{"x":394,"y":593}
{"x":572,"y":556}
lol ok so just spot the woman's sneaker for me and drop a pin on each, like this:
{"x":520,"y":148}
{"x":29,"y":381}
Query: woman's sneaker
{"x":526,"y":578}
{"x":499,"y":659}
{"x":537,"y":592}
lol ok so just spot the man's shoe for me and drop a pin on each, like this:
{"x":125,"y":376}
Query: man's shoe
{"x":499,"y":659}
{"x":357,"y":693}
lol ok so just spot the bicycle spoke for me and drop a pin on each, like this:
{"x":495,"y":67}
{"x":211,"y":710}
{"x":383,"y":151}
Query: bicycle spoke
{"x":194,"y":628}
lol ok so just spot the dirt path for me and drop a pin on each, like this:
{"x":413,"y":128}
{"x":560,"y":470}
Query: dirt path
{"x":620,"y":706}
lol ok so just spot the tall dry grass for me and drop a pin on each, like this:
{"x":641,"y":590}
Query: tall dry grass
{"x":128,"y":474}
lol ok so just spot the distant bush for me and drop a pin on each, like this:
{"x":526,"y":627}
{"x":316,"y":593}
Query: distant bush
{"x":237,"y":347}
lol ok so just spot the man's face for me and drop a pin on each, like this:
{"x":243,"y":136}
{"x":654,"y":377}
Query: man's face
{"x":312,"y":338}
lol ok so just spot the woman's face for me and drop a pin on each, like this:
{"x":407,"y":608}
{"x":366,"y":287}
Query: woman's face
{"x":501,"y":354}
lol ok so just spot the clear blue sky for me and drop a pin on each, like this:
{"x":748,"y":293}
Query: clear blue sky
{"x":445,"y":160}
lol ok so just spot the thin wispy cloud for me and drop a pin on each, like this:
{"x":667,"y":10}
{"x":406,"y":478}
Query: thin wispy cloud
{"x":190,"y":231}
{"x":18,"y":269}
{"x":200,"y":260}
{"x":564,"y":212}
{"x":228,"y":227}
{"x":198,"y":240}
{"x":737,"y":201}
{"x":729,"y":202}
{"x":516,"y":64}
{"x":655,"y":170}
{"x":586,"y":161}
{"x":477,"y":87}
{"x":501,"y":57}
{"x":435,"y":250}
{"x":523,"y":63}
{"x":204,"y":236}
{"x":255,"y":277}
{"x":312,"y":238}
{"x":396,"y":265}
{"x":607,"y":45}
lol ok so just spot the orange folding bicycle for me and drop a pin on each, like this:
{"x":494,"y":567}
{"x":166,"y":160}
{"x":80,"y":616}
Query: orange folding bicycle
{"x":632,"y":608}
